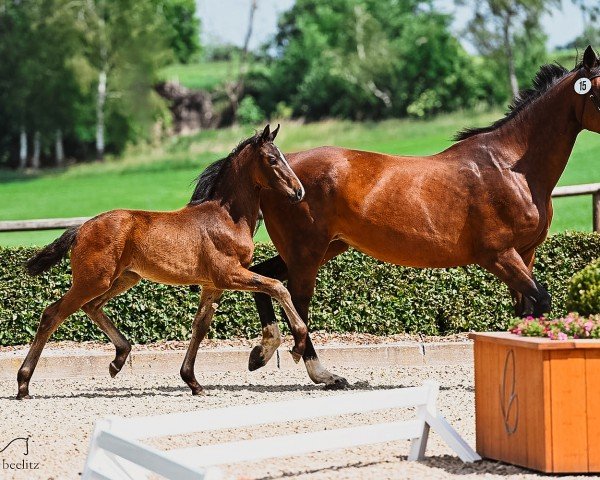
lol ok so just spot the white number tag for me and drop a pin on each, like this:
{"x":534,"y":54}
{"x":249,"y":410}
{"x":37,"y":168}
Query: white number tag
{"x":583,"y":86}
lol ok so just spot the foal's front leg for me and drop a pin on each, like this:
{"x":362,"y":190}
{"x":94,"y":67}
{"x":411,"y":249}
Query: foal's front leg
{"x":243,"y":279}
{"x":206,"y":310}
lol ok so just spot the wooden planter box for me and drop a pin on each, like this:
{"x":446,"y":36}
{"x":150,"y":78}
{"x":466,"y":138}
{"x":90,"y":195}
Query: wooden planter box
{"x":537,"y":402}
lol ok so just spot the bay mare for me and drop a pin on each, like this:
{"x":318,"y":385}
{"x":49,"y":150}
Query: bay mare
{"x":486,"y":200}
{"x":207,"y":243}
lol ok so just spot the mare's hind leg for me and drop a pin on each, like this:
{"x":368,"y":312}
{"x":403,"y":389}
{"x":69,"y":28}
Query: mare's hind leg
{"x":206,"y":310}
{"x":52,"y":317}
{"x":509,"y":267}
{"x":523,"y":305}
{"x":94,"y":311}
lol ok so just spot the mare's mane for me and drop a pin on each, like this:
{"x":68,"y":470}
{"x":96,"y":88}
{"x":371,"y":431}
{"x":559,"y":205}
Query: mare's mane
{"x":545,"y":79}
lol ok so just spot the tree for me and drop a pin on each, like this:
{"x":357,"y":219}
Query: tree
{"x":125,"y":44}
{"x":79,"y":72}
{"x":183,"y":28}
{"x":365,"y":59}
{"x":36,"y":77}
{"x":497,"y":24}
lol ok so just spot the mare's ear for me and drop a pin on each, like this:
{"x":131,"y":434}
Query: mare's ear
{"x":590,"y":60}
{"x":266,"y":133}
{"x":274,"y":132}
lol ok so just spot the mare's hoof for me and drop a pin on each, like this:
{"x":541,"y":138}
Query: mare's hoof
{"x":113,"y":370}
{"x":295,"y":355}
{"x":23,"y":396}
{"x":256,"y":360}
{"x":338,"y":383}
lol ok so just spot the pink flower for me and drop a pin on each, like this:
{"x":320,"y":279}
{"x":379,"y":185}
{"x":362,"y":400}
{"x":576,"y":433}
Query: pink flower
{"x":562,"y":336}
{"x":588,"y":325}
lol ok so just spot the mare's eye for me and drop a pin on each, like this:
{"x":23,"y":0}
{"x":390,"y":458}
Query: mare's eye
{"x":272,"y":160}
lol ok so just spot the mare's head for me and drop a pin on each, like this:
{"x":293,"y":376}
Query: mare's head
{"x":587,"y":85}
{"x":271,"y":169}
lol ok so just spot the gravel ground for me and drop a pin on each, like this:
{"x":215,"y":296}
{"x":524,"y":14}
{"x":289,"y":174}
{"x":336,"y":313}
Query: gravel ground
{"x":319,"y":338}
{"x":61,"y":416}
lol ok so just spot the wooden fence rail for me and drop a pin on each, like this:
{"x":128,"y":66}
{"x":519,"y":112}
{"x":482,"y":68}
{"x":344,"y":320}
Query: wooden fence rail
{"x":592,"y":189}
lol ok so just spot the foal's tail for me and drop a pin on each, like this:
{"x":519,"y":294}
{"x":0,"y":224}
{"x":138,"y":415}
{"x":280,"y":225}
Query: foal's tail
{"x":51,"y":254}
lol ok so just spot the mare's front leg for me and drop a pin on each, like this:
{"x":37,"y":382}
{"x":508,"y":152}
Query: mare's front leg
{"x":206,"y":310}
{"x":245,"y":280}
{"x":271,"y":337}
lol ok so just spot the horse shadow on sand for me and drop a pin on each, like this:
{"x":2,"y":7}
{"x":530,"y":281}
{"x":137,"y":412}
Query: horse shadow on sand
{"x":214,"y":390}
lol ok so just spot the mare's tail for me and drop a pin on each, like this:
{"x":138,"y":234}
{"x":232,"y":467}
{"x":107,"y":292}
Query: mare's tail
{"x":51,"y":254}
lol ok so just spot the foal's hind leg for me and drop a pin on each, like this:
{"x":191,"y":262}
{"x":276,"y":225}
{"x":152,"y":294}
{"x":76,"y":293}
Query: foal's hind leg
{"x":206,"y":310}
{"x":509,"y":267}
{"x":94,"y":311}
{"x":52,"y":317}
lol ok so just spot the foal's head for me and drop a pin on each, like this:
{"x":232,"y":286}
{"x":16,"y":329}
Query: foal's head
{"x":587,"y":84}
{"x":271,"y":169}
{"x":261,"y":159}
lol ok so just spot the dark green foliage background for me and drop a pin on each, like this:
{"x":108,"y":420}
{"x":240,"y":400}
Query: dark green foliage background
{"x":584,"y":290}
{"x":354,"y":294}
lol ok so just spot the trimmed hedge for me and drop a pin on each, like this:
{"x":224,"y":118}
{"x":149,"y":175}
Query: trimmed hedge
{"x":584,"y":290}
{"x":354,"y":294}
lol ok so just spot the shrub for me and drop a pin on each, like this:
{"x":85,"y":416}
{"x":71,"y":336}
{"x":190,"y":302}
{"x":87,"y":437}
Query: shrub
{"x":584,"y":290}
{"x":355,"y":293}
{"x":249,"y":113}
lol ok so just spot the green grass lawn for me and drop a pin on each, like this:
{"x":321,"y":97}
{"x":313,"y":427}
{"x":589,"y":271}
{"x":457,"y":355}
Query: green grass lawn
{"x":205,"y":75}
{"x":160,"y":178}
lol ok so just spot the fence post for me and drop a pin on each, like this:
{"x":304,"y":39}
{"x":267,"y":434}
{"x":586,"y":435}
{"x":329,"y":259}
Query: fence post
{"x":596,"y":209}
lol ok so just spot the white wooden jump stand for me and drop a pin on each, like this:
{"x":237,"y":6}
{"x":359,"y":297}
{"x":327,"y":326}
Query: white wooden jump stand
{"x":116,"y":453}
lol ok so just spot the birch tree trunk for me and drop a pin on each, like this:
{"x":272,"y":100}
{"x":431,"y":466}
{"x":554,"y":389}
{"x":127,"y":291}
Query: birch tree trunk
{"x":59,"y":152}
{"x":101,"y":100}
{"x":235,"y":89}
{"x":37,"y":147}
{"x":512,"y":76}
{"x":23,"y":149}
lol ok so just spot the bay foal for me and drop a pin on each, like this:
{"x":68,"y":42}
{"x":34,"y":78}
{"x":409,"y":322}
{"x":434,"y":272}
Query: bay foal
{"x":486,"y":200}
{"x":207,"y":243}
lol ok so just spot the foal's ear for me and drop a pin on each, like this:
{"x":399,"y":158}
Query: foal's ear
{"x":589,"y":58}
{"x":275,"y":132}
{"x":265,"y":136}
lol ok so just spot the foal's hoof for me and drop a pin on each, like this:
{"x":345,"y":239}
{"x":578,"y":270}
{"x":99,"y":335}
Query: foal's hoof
{"x":338,"y":383}
{"x":198,"y":391}
{"x":256,"y":359}
{"x":113,"y":370}
{"x":295,"y":355}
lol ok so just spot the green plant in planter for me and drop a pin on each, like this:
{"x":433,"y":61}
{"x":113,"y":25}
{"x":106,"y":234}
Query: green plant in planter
{"x":571,"y":326}
{"x":583,"y":294}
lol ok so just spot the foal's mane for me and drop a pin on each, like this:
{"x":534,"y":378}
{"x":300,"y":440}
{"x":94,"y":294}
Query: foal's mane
{"x":545,"y":79}
{"x":208,"y":181}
